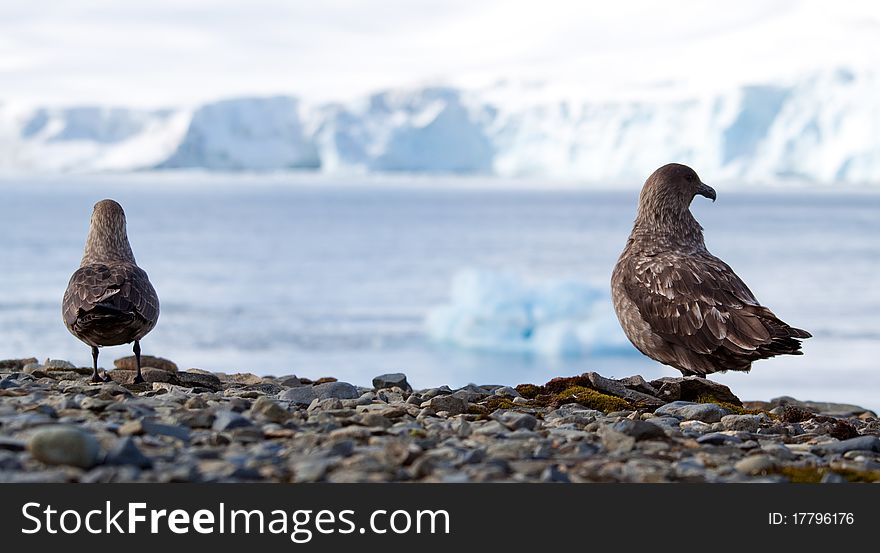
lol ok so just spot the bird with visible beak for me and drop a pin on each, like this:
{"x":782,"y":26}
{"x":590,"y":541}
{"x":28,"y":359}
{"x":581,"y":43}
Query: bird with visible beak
{"x":679,"y":304}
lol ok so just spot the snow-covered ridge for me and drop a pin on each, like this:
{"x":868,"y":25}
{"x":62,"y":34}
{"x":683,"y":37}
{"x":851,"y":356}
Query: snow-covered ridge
{"x":823,"y":127}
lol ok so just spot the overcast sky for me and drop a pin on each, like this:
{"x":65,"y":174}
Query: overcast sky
{"x":172,"y":52}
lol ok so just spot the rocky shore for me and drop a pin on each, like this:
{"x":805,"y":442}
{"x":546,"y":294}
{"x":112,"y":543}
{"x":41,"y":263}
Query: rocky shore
{"x":197,"y":426}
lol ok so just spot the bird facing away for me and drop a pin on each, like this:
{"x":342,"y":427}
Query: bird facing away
{"x":679,"y":304}
{"x":109,"y":300}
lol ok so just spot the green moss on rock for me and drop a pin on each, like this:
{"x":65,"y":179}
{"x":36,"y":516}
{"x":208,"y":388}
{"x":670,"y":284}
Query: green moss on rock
{"x":560,"y":384}
{"x":529,"y":391}
{"x":572,"y":389}
{"x":591,"y":399}
{"x":494,"y":403}
{"x":735,"y":409}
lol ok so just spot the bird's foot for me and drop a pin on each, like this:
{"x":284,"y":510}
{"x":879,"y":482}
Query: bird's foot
{"x":96,"y":379}
{"x":138,"y":379}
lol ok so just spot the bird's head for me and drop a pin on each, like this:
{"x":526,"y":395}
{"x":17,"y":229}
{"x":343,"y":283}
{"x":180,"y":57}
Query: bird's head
{"x":110,"y":213}
{"x":673,"y":186}
{"x":108,"y":239}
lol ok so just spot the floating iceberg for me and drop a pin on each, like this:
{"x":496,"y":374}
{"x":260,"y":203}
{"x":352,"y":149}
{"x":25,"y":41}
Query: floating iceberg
{"x":502,"y":312}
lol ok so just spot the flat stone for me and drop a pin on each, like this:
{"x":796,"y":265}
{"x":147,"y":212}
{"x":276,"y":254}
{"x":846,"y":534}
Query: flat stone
{"x":290,"y":381}
{"x":668,"y":391}
{"x":126,"y":452}
{"x":573,"y":413}
{"x":229,"y":420}
{"x":375,"y":420}
{"x":468,"y":395}
{"x":255,"y":390}
{"x":639,"y":384}
{"x":269,"y":410}
{"x":862,"y":443}
{"x":311,"y":470}
{"x":391,"y":380}
{"x":824,"y":408}
{"x":338,"y":390}
{"x":196,"y":418}
{"x":130,"y":363}
{"x":754,"y":465}
{"x":451,"y":404}
{"x":64,"y":445}
{"x":245,"y":379}
{"x":490,"y":428}
{"x":515,"y":421}
{"x":302,"y":396}
{"x":153,"y":428}
{"x":744,"y":423}
{"x":692,"y":388}
{"x":697,"y":427}
{"x":328,"y":404}
{"x":12,"y":444}
{"x":780,"y":451}
{"x":705,"y":412}
{"x":615,"y":388}
{"x":432,"y":392}
{"x":718,"y":438}
{"x":616,"y":441}
{"x":150,"y":374}
{"x":201,"y":380}
{"x":640,"y":430}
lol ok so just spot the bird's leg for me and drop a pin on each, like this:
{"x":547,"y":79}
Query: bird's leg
{"x":95,"y":377}
{"x":138,"y":378}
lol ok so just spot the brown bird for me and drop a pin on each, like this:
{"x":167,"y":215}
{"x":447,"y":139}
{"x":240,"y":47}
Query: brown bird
{"x":679,"y":304}
{"x":109,"y":300}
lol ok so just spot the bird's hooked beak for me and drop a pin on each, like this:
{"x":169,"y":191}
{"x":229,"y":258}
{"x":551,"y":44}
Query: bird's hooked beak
{"x":706,"y":190}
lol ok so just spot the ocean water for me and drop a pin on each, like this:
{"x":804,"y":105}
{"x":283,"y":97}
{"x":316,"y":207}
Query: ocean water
{"x":287,"y":276}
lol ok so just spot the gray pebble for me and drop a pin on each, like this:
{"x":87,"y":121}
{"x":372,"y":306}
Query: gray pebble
{"x":516,"y":421}
{"x":451,"y":404}
{"x":229,"y":420}
{"x":303,"y":395}
{"x":639,"y":429}
{"x":64,"y":445}
{"x":338,"y":390}
{"x":864,"y":443}
{"x":745,"y":423}
{"x":755,"y":464}
{"x":506,"y":391}
{"x":126,"y":452}
{"x":391,"y":380}
{"x":705,"y":412}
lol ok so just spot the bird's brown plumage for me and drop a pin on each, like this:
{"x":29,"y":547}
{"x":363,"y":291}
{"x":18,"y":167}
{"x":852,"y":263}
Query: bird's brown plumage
{"x":109,"y":300}
{"x":679,"y":304}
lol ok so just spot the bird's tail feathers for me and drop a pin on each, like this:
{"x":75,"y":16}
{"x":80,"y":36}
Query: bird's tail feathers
{"x":799,"y":333}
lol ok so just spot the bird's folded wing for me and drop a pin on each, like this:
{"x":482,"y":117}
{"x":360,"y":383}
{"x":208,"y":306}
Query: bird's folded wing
{"x":124,"y":287}
{"x":697,"y":302}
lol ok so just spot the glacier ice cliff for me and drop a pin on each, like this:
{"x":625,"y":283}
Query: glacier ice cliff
{"x":246,"y":133}
{"x":822,"y":127}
